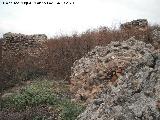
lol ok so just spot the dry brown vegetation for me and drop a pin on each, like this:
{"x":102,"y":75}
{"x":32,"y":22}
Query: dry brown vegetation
{"x":56,"y":61}
{"x":63,"y":51}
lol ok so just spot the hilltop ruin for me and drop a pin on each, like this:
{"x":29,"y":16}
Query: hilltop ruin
{"x":139,"y":24}
{"x":19,"y":42}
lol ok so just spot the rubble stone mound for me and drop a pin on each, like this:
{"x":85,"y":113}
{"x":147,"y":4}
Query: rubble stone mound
{"x":120,"y":82}
{"x":104,"y":65}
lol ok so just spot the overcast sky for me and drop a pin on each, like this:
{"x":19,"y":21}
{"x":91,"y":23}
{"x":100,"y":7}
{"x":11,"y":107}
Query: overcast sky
{"x":66,"y":19}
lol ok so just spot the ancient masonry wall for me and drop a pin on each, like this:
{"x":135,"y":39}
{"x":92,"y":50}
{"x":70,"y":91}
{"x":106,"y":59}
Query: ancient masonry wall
{"x":141,"y":24}
{"x":15,"y":43}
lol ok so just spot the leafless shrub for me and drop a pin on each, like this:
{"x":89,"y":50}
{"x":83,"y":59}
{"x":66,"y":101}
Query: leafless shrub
{"x":57,"y":59}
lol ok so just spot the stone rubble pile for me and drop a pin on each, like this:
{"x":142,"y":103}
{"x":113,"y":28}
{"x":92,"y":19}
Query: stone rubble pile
{"x":104,"y":65}
{"x":119,"y":82}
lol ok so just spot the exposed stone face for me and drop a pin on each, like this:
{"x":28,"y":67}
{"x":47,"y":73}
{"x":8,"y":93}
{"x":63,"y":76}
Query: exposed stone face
{"x":134,"y":93}
{"x":141,"y":24}
{"x":104,"y":65}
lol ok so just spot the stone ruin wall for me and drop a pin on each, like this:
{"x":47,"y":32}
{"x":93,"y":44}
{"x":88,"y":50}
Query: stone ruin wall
{"x":13,"y":41}
{"x":16,"y":43}
{"x":140,"y":24}
{"x":138,"y":28}
{"x":21,"y":53}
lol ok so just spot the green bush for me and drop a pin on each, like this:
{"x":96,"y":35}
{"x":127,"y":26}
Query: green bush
{"x":42,"y":93}
{"x":32,"y":95}
{"x":70,"y":110}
